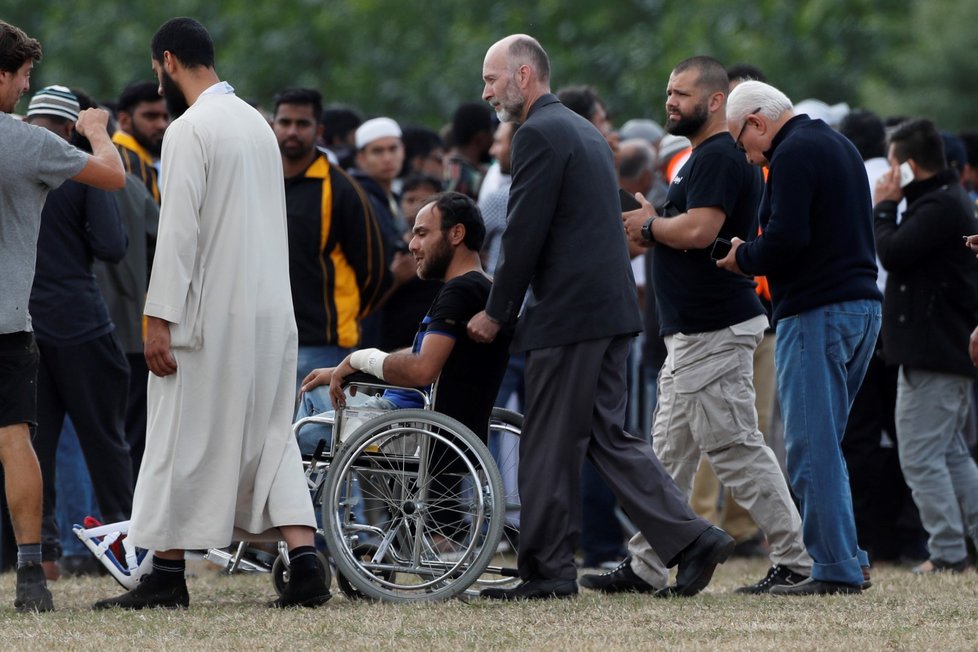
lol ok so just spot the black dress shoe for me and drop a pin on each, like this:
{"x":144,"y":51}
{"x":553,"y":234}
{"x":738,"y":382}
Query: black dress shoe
{"x":697,"y":562}
{"x":620,"y":580}
{"x":534,"y":590}
{"x":150,"y":592}
{"x":816,"y":587}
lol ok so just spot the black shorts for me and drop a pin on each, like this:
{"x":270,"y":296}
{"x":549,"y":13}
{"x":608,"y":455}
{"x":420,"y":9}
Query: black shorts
{"x":18,"y":379}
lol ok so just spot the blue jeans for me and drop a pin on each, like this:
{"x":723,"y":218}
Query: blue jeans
{"x":315,"y":357}
{"x":821,"y":357}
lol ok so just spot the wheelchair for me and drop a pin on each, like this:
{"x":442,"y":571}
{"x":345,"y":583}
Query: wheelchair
{"x":412,"y":502}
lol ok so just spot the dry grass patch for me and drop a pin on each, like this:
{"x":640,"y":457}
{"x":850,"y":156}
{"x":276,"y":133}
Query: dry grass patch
{"x":900,"y":612}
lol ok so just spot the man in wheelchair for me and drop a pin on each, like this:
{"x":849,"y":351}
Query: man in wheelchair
{"x":448,"y":234}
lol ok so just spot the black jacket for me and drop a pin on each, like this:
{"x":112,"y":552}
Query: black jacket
{"x":564,"y":236}
{"x":931,"y":302}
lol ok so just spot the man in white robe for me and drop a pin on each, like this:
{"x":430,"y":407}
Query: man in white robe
{"x":221,"y":340}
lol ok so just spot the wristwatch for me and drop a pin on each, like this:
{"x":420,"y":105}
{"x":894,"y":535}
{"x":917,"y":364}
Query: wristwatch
{"x":647,"y":229}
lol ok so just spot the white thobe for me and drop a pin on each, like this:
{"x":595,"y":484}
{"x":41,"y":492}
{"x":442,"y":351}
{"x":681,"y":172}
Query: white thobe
{"x":220,"y":458}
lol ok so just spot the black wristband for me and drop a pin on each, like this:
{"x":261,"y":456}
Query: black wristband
{"x":647,"y":234}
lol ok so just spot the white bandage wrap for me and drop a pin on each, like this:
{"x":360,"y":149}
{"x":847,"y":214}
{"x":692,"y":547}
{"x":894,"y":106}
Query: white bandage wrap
{"x":370,"y":361}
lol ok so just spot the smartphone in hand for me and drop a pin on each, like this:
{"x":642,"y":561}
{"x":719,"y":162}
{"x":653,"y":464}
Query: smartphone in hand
{"x":721,"y":247}
{"x":906,"y":174}
{"x":628,"y":201}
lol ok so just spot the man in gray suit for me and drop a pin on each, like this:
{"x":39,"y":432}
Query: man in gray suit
{"x":565,"y":239}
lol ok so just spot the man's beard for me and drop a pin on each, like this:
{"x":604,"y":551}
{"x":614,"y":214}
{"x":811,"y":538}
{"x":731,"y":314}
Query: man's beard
{"x":510,"y":113}
{"x":176,"y":103}
{"x":688,"y":126}
{"x":155,"y":148}
{"x":295,"y":152}
{"x":435,"y":265}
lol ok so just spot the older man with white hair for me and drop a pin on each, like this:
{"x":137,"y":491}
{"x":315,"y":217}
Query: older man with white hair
{"x":817,"y":251}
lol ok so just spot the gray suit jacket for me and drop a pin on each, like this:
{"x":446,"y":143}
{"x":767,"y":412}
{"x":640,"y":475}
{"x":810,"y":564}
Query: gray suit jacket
{"x":564,"y":236}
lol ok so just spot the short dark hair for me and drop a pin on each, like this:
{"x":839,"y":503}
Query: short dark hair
{"x":418,"y":141}
{"x":302,"y":97}
{"x":745,"y":72}
{"x":456,"y":208}
{"x":16,"y":48}
{"x":136,"y":93}
{"x":865,"y":130}
{"x":187,"y":40}
{"x":417,"y":180}
{"x":469,"y":120}
{"x":582,"y":100}
{"x":338,"y":121}
{"x":970,"y":140}
{"x":712,"y":75}
{"x":525,"y":48}
{"x":919,"y":139}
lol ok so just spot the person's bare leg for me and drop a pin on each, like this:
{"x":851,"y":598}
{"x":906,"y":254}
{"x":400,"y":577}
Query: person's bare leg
{"x":24,"y":491}
{"x":22,"y":482}
{"x":297,"y":535}
{"x":307,"y":576}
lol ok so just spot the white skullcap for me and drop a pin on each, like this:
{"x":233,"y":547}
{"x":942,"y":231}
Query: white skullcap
{"x":376,"y":128}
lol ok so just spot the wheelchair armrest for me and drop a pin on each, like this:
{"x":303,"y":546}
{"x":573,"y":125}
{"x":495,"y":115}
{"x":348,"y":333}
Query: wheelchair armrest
{"x":363,"y":378}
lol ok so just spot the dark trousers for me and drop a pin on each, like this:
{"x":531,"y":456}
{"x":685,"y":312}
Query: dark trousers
{"x":575,"y":408}
{"x":89,"y":382}
{"x":136,"y":409}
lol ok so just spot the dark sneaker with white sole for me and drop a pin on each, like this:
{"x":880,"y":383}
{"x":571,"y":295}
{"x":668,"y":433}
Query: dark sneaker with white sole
{"x":620,"y":580}
{"x":777,"y":576}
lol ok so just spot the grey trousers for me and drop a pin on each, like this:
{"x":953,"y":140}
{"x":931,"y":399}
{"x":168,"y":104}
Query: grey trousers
{"x":706,"y":405}
{"x":931,"y":414}
{"x":575,"y":407}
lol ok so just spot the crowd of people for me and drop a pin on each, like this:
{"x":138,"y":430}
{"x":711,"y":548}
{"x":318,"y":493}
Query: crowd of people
{"x":801,"y":277}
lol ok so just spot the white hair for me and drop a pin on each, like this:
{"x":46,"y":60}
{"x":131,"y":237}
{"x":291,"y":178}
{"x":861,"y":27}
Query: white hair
{"x":754,"y":96}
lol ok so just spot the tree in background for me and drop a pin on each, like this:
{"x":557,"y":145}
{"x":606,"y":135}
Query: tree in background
{"x":418,"y":60}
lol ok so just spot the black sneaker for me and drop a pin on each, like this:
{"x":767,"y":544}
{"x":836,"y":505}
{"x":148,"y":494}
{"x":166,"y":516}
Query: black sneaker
{"x":32,"y":590}
{"x":306,"y":590}
{"x":620,"y":580}
{"x":150,"y":592}
{"x":777,"y":576}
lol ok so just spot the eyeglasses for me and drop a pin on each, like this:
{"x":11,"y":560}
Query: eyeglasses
{"x":737,"y":142}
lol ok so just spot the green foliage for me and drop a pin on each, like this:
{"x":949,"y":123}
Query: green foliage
{"x":417,"y":60}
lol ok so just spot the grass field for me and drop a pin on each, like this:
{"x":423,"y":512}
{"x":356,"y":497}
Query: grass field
{"x":900,"y":612}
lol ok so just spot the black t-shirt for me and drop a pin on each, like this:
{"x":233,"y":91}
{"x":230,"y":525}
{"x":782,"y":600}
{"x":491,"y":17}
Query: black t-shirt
{"x":692,"y":294}
{"x":473,"y":372}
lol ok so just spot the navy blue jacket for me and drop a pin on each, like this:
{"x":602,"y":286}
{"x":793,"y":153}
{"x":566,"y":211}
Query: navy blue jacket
{"x":817,"y":247}
{"x":79,"y":224}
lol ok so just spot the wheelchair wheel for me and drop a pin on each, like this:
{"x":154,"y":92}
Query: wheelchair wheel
{"x":366,"y":552}
{"x":504,"y":430}
{"x":280,"y":573}
{"x":429,"y":492}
